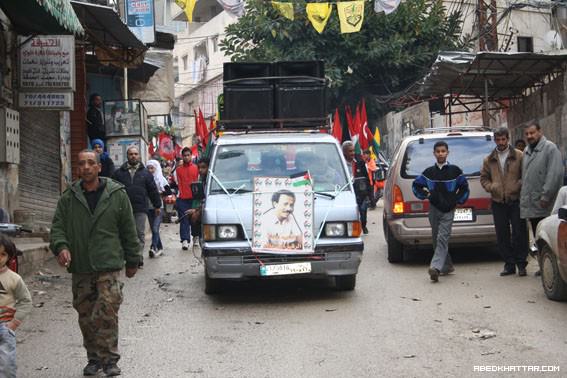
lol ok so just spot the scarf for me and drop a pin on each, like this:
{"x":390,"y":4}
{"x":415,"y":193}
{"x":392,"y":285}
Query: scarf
{"x":104,"y":155}
{"x":160,"y":181}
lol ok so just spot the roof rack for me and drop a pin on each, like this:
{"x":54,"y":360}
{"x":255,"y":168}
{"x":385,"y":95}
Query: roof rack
{"x":432,"y":130}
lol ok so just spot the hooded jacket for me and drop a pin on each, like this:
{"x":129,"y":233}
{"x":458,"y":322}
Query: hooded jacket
{"x":101,"y":241}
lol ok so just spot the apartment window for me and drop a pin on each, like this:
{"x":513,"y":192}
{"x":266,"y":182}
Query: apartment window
{"x":525,"y":44}
{"x":185,"y":63}
{"x":215,"y":43}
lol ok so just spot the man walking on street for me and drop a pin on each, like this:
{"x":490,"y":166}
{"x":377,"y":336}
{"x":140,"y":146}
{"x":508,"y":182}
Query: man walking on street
{"x":140,"y":186}
{"x":445,"y":186}
{"x":94,"y":236}
{"x":542,"y":176}
{"x":185,"y":175}
{"x":501,"y":176}
{"x":362,"y":188}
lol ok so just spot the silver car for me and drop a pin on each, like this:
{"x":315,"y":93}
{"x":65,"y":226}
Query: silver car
{"x":405,"y":221}
{"x":228,"y":211}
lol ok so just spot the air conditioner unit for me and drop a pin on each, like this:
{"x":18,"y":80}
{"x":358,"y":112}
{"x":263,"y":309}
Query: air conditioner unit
{"x":9,"y":136}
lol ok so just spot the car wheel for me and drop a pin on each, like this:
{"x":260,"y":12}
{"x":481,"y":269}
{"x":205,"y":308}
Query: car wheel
{"x":395,"y":248}
{"x":345,"y":283}
{"x":212,"y":286}
{"x":553,"y":285}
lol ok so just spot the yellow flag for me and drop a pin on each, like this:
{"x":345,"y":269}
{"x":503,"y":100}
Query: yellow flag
{"x":318,"y":14}
{"x":286,"y":9}
{"x":351,"y":15}
{"x":188,"y":6}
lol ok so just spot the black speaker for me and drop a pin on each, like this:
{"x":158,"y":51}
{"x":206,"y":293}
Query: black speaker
{"x":248,"y":102}
{"x":300,"y":101}
{"x":254,"y":71}
{"x":312,"y":68}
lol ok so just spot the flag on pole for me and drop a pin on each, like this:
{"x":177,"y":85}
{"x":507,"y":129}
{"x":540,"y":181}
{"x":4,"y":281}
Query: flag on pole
{"x":337,"y":127}
{"x":318,"y":14}
{"x":203,"y":129}
{"x":300,"y":179}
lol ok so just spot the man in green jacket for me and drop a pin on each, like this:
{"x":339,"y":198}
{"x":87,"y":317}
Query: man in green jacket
{"x":94,"y":235}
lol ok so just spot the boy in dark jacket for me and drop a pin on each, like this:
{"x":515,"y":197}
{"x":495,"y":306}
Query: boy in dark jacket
{"x":445,"y":186}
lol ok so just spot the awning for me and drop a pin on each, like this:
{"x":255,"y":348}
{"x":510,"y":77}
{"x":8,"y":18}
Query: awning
{"x":490,"y":74}
{"x":42,"y":16}
{"x":164,"y":40}
{"x":107,"y":32}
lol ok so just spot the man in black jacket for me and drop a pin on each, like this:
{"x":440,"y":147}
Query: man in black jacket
{"x":140,"y":186}
{"x":95,"y":122}
{"x":362,"y":188}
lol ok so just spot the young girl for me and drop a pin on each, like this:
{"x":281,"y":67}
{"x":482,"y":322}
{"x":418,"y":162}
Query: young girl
{"x":15,"y":304}
{"x":154,"y":168}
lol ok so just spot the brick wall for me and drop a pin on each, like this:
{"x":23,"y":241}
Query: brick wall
{"x":79,"y":115}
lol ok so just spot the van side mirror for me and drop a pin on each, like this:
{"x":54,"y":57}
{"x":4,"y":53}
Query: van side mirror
{"x":562,"y":213}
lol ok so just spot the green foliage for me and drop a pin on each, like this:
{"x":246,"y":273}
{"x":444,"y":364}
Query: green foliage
{"x":390,"y":52}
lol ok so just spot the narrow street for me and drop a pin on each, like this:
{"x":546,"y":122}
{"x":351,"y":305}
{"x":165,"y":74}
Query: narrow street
{"x":396,"y":323}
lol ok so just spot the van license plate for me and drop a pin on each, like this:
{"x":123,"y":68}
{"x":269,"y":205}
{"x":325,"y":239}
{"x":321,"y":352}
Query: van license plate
{"x":283,"y":269}
{"x":463,"y":215}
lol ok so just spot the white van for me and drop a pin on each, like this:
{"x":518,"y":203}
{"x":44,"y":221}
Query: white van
{"x":237,"y":159}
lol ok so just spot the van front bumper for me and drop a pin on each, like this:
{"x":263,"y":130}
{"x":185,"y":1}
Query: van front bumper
{"x":239,"y":263}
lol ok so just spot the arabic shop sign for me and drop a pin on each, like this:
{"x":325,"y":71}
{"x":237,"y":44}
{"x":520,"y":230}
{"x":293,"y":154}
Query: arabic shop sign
{"x":140,"y":19}
{"x":47,"y":62}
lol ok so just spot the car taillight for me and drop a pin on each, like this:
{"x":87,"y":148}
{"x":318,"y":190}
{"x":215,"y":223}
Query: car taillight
{"x":398,"y":201}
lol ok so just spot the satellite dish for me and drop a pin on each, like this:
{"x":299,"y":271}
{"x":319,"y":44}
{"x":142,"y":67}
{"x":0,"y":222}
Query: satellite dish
{"x":553,"y":40}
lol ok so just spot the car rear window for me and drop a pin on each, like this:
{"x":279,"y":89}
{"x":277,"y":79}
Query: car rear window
{"x":465,"y":152}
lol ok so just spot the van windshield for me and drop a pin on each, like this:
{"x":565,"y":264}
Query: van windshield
{"x":467,"y":153}
{"x":235,"y":166}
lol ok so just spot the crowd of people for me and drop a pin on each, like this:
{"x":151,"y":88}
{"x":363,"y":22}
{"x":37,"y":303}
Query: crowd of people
{"x":524,"y":187}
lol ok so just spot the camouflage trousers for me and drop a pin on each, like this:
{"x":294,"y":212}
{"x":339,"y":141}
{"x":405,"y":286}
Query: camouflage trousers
{"x":97,"y":298}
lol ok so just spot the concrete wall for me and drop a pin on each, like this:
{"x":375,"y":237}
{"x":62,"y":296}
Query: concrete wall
{"x":549,"y":106}
{"x":401,"y":124}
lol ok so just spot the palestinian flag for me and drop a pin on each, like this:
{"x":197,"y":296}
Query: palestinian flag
{"x":301,"y":179}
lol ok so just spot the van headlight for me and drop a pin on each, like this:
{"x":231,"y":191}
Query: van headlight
{"x":335,"y":229}
{"x":343,"y":229}
{"x":212,"y":232}
{"x":227,"y":232}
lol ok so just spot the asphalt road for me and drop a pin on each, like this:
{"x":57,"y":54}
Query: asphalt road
{"x":395,"y":324}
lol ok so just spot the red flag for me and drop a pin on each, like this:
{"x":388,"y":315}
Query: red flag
{"x":350,"y":122}
{"x":362,"y":125}
{"x":203,"y":129}
{"x":337,"y":127}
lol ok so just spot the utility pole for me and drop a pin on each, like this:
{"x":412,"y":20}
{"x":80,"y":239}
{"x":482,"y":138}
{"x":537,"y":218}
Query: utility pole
{"x":488,"y":30}
{"x":488,"y":41}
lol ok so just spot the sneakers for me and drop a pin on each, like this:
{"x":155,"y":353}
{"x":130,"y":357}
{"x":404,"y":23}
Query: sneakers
{"x":365,"y":230}
{"x":159,"y":252}
{"x":433,"y":274}
{"x":152,"y":253}
{"x":196,"y":243}
{"x":92,"y":368}
{"x":185,"y":245}
{"x":111,"y":370}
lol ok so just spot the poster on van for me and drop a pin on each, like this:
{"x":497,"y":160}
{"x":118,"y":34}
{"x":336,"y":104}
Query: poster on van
{"x":283,"y":214}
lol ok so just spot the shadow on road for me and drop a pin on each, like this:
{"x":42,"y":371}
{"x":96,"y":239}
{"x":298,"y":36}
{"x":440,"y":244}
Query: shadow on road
{"x":460,"y":255}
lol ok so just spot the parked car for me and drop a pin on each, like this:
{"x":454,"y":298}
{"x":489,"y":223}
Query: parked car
{"x":405,"y":221}
{"x":551,"y":240}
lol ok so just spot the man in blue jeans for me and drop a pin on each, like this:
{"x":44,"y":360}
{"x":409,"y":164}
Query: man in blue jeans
{"x":445,"y":186}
